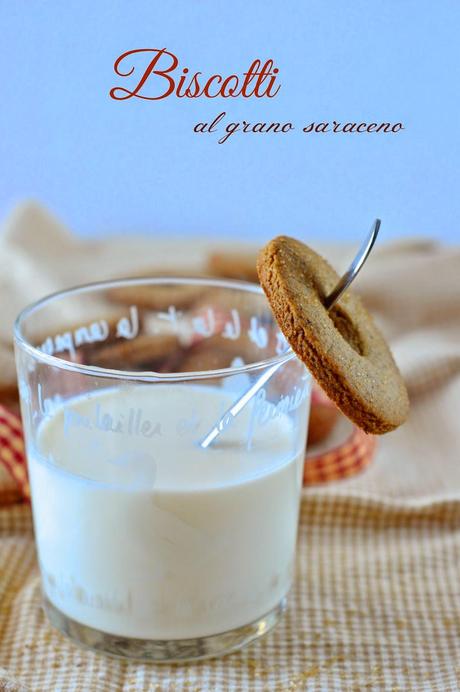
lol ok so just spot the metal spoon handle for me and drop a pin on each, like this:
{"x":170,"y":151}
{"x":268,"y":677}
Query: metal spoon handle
{"x":238,"y":406}
{"x":330,"y":300}
{"x":354,"y":267}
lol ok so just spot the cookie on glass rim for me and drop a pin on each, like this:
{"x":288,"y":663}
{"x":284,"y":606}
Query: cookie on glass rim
{"x":342,"y":347}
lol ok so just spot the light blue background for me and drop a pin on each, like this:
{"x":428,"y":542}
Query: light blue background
{"x":106,"y":166}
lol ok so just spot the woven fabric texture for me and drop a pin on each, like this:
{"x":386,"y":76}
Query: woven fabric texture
{"x":375,"y":606}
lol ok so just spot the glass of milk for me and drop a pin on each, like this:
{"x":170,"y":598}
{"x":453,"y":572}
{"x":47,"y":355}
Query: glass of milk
{"x":151,"y":546}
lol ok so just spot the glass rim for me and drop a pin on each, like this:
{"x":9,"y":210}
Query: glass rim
{"x":139,"y":375}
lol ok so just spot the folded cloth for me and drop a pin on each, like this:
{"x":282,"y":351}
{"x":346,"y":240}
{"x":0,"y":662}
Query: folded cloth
{"x":376,"y":601}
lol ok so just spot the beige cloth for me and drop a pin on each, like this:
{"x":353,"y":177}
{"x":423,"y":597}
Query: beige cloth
{"x":376,"y":602}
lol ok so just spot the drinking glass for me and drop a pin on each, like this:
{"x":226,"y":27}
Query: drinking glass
{"x":151,"y":546}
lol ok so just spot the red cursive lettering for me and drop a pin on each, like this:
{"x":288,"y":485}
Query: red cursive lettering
{"x":159,"y":80}
{"x":147,"y":72}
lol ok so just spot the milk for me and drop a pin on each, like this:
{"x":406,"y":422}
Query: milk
{"x":141,"y":533}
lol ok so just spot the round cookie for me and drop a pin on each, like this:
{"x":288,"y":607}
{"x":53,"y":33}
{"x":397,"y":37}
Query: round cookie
{"x":342,"y":347}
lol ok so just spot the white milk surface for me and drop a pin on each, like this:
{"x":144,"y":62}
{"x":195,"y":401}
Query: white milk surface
{"x":141,"y":533}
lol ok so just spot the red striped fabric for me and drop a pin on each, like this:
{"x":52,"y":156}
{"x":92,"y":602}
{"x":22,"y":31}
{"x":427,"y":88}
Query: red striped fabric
{"x":12,"y":453}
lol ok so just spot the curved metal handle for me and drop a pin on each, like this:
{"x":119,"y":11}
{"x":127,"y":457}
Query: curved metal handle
{"x":354,"y":267}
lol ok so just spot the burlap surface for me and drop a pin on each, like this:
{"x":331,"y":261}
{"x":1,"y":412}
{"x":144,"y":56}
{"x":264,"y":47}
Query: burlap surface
{"x":376,"y":601}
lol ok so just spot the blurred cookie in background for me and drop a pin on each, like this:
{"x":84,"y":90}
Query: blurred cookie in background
{"x":145,"y":352}
{"x":323,"y":418}
{"x":216,"y":353}
{"x":9,"y":395}
{"x":160,"y":296}
{"x":233,"y":265}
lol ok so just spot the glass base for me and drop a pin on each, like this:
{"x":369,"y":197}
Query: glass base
{"x":163,"y":651}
